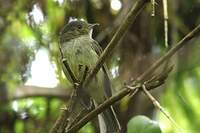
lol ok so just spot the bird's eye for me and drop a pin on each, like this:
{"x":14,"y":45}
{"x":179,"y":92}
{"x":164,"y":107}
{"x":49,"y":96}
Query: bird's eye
{"x":79,"y":26}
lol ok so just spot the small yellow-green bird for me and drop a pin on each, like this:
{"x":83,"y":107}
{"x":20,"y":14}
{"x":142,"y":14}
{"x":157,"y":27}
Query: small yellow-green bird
{"x":80,"y":51}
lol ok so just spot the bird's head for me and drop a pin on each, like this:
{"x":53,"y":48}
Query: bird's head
{"x":75,"y":29}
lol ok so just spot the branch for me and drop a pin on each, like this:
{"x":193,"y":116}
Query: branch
{"x":165,"y":13}
{"x":158,"y":106}
{"x":124,"y":92}
{"x":169,"y":54}
{"x":134,"y":89}
{"x":135,"y":10}
{"x":71,"y":74}
{"x":61,"y":122}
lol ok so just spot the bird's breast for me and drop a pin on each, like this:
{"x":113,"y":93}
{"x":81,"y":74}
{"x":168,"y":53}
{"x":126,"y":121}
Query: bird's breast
{"x":79,"y":54}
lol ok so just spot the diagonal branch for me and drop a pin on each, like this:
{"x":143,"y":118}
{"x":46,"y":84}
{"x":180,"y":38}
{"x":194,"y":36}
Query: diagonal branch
{"x":71,"y":74}
{"x":170,"y":53}
{"x":125,"y":91}
{"x":135,"y":10}
{"x":158,"y":106}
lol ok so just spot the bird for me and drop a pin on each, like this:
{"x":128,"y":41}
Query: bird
{"x":81,"y":51}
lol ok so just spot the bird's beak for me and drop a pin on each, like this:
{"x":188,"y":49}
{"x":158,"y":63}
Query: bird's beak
{"x":92,"y":25}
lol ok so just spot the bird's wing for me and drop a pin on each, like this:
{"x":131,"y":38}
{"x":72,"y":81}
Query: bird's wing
{"x":107,"y":83}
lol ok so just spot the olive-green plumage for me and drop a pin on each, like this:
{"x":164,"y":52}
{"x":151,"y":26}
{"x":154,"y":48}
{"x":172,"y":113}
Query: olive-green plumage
{"x":80,"y":50}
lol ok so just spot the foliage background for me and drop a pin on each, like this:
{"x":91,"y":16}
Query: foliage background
{"x":29,"y":32}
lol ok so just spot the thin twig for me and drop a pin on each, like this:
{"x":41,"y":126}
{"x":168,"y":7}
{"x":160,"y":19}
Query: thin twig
{"x":161,"y":76}
{"x":171,"y":52}
{"x":65,"y":63}
{"x":155,"y":102}
{"x":71,"y":74}
{"x":165,"y":13}
{"x":157,"y":105}
{"x":153,"y":8}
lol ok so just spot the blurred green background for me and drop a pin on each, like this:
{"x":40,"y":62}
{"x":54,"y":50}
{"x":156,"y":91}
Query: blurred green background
{"x":33,"y":87}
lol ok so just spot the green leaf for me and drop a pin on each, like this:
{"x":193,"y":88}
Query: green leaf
{"x":88,"y":128}
{"x":142,"y":124}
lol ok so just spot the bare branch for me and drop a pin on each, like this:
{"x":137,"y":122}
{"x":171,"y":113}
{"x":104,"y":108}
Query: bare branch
{"x":125,"y":91}
{"x":165,"y":13}
{"x":157,"y":105}
{"x":171,"y":52}
{"x":135,"y":10}
{"x":71,"y":74}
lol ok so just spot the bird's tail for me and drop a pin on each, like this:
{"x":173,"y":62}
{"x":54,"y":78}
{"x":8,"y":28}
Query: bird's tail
{"x":108,"y":122}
